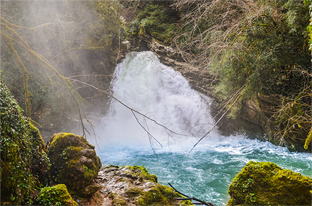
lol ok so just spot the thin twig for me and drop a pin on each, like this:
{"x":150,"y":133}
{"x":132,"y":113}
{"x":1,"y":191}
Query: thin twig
{"x":201,"y":202}
{"x":217,"y":121}
{"x":146,"y":130}
{"x":125,"y":105}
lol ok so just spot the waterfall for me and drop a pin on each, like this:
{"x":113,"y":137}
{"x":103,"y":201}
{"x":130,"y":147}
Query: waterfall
{"x":159,"y":92}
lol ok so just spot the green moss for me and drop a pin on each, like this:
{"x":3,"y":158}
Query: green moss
{"x":265,"y":183}
{"x":142,"y":173}
{"x":107,"y":167}
{"x":89,"y":173}
{"x":74,"y":160}
{"x":23,"y":157}
{"x":118,"y":200}
{"x":56,"y":195}
{"x":143,"y":193}
{"x":186,"y":202}
{"x":133,"y":192}
{"x":159,"y":195}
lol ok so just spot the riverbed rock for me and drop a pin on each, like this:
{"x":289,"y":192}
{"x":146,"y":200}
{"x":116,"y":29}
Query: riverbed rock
{"x":265,"y":183}
{"x":74,"y":161}
{"x":56,"y":195}
{"x":132,"y":185}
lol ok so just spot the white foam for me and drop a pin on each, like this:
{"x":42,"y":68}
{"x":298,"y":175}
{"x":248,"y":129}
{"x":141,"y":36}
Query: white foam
{"x":159,"y":92}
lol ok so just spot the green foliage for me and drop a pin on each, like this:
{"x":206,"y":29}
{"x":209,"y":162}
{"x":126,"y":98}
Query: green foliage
{"x":293,"y":120}
{"x":263,"y":45}
{"x":156,"y":20}
{"x":309,"y":27}
{"x":271,"y":46}
{"x":23,"y":159}
{"x":265,"y":183}
{"x":111,"y":28}
{"x":56,"y":195}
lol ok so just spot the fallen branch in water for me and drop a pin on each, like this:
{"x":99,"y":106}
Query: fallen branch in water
{"x":200,"y":202}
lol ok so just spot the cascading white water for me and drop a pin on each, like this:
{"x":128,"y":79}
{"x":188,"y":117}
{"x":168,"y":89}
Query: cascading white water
{"x":144,"y":84}
{"x":159,"y":92}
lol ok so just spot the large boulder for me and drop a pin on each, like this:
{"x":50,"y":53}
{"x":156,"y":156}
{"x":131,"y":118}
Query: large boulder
{"x":74,"y":161}
{"x":265,"y":183}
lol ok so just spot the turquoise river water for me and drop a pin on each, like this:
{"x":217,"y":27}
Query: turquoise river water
{"x":157,"y":91}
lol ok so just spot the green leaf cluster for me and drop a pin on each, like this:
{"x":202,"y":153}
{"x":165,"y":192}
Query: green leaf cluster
{"x":156,"y":20}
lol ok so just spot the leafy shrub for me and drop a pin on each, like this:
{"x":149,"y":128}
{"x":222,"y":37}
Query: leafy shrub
{"x":156,"y":20}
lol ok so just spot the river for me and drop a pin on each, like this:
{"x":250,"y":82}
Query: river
{"x":182,"y":116}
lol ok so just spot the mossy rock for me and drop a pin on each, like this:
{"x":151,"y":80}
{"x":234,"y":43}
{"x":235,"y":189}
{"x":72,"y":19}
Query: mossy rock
{"x":23,"y":157}
{"x":140,"y":173}
{"x":56,"y":195}
{"x":265,"y":183}
{"x":74,"y":161}
{"x":159,"y":195}
{"x":134,"y":185}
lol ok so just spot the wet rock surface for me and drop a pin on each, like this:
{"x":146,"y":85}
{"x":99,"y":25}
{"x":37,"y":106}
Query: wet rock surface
{"x":132,"y":185}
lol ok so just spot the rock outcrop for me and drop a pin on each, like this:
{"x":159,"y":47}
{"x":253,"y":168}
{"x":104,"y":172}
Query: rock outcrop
{"x":74,"y":162}
{"x":132,"y":185}
{"x":265,"y":183}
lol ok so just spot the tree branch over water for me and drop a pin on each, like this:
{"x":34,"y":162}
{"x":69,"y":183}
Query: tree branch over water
{"x":131,"y":109}
{"x":236,"y":96}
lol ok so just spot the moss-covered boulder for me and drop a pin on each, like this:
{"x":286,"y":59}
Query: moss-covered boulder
{"x":133,"y":185}
{"x":56,"y":195}
{"x":74,"y":161}
{"x":24,"y":163}
{"x":265,"y":183}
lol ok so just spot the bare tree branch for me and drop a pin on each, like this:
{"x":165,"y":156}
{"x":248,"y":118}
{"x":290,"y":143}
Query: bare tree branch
{"x":130,"y":108}
{"x":238,"y":94}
